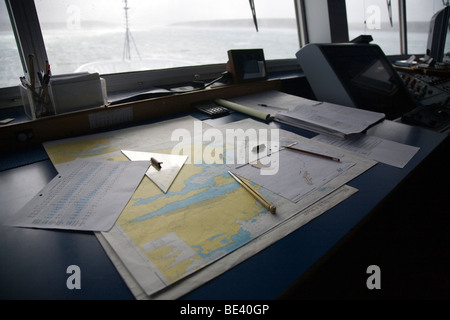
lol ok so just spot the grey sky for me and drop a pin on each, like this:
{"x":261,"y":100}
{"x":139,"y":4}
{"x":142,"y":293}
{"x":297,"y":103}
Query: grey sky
{"x":161,"y":11}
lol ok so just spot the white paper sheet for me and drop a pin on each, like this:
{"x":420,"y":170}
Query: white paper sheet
{"x":85,"y":195}
{"x":382,"y":150}
{"x":316,"y":116}
{"x":331,"y":119}
{"x":298,"y":173}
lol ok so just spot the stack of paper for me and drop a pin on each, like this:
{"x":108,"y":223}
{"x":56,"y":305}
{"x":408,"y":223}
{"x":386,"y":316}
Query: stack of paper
{"x":331,"y":119}
{"x":86,"y":195}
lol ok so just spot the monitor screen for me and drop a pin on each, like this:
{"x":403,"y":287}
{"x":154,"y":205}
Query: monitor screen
{"x":247,"y":64}
{"x":364,"y":75}
{"x":437,"y":44}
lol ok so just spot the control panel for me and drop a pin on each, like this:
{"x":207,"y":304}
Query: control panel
{"x":427,"y":89}
{"x":433,"y":95}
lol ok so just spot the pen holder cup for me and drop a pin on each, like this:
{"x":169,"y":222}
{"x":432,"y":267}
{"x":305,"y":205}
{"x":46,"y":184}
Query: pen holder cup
{"x":37,"y":103}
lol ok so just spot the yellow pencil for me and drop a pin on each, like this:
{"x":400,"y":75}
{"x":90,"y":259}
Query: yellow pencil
{"x":254,"y":193}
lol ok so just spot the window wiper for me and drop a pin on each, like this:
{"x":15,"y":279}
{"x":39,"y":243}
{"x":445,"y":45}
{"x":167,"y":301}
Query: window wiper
{"x":389,"y":5}
{"x":252,"y":7}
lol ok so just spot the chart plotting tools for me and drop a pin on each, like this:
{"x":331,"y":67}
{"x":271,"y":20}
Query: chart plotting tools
{"x":164,"y":168}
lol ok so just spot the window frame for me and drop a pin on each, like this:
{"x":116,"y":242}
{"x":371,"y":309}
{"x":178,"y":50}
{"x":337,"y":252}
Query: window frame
{"x":29,"y":38}
{"x":26,"y":28}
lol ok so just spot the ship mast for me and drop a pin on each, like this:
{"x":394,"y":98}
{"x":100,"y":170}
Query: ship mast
{"x":128,"y":37}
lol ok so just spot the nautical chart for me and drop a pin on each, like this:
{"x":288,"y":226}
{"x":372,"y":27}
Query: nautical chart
{"x":298,"y":174}
{"x":162,"y":238}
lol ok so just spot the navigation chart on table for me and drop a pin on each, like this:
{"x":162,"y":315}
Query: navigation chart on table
{"x":161,"y":238}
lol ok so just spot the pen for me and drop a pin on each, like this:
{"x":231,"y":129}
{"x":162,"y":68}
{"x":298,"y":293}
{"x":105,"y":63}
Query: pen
{"x":41,"y":79}
{"x":255,"y":194}
{"x":313,"y":154}
{"x":31,"y":70}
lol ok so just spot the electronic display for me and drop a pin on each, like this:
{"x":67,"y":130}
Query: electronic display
{"x":247,"y":65}
{"x":355,"y":75}
{"x":437,"y":35}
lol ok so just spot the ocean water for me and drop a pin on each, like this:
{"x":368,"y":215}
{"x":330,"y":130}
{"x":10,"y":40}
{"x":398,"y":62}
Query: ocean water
{"x":165,"y":47}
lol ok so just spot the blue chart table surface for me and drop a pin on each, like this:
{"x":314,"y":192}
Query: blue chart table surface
{"x":34,"y":262}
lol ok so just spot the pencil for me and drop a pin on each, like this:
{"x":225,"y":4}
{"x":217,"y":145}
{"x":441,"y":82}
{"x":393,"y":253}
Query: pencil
{"x":313,"y":154}
{"x":255,"y":194}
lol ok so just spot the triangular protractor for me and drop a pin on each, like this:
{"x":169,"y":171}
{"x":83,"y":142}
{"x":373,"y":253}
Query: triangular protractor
{"x":170,"y":166}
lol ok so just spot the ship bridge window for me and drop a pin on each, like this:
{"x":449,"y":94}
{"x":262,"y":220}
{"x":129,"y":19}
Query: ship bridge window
{"x":398,"y":27}
{"x":112,"y":36}
{"x":378,"y":18}
{"x":419,"y":17}
{"x":11,"y":68}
